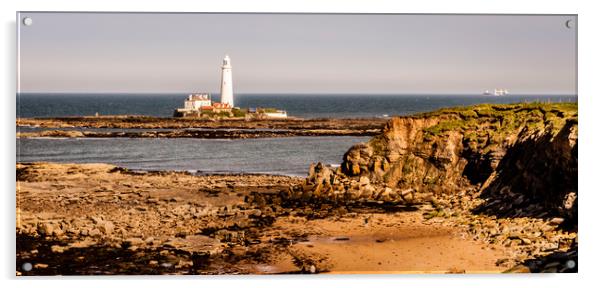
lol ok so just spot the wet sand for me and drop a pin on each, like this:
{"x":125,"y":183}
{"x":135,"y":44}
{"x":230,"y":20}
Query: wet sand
{"x":396,"y":243}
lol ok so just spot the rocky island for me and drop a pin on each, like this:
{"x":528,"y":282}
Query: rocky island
{"x":485,"y":188}
{"x":155,"y":127}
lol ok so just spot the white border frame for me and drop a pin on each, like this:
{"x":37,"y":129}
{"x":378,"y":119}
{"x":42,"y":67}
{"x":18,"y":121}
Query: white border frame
{"x":589,"y":49}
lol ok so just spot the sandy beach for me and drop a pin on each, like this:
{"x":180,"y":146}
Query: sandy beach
{"x":75,"y":218}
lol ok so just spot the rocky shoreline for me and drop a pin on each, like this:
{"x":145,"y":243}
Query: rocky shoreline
{"x":156,"y":127}
{"x":479,"y":189}
{"x":77,"y":219}
{"x":205,"y":134}
{"x":148,"y":122}
{"x":96,"y":210}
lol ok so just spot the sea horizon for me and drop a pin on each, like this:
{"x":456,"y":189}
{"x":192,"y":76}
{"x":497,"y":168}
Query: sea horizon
{"x":301,"y":105}
{"x":83,"y":93}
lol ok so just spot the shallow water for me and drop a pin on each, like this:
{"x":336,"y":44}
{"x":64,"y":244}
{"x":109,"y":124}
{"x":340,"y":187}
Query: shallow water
{"x":284,"y":156}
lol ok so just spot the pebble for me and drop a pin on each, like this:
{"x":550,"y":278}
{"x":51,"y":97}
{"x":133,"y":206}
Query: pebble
{"x":134,"y":241}
{"x":556,"y":221}
{"x":519,"y":269}
{"x":94,"y":232}
{"x":45,"y":229}
{"x":96,"y":219}
{"x":106,"y":227}
{"x":58,"y":248}
{"x":40,"y":266}
{"x":550,"y":246}
{"x":184,"y":263}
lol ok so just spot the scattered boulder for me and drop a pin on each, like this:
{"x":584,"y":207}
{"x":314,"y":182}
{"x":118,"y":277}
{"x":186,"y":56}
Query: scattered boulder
{"x":134,"y":241}
{"x":95,"y":232}
{"x":105,"y":227}
{"x":46,"y":228}
{"x":556,"y":221}
{"x":58,"y":248}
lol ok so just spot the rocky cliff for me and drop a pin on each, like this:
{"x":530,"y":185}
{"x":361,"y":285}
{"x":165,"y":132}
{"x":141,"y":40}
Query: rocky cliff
{"x":520,"y":158}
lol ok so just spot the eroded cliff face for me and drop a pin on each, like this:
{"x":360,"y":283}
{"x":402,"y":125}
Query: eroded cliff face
{"x":522,"y":158}
{"x":405,"y":157}
{"x":538,"y":173}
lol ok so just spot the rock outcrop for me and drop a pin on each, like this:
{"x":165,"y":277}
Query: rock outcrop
{"x":521,"y":158}
{"x":506,"y":174}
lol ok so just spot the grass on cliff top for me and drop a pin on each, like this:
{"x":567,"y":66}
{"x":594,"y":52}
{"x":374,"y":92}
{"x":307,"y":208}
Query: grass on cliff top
{"x":466,"y":112}
{"x":486,"y":125}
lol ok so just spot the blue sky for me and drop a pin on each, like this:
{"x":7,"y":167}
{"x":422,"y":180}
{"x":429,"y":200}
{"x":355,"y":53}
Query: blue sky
{"x":298,"y":53}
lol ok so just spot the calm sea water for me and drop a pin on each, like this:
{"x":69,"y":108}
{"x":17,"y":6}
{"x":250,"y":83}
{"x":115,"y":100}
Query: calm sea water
{"x":299,"y":105}
{"x":286,"y":156}
{"x":290,"y":156}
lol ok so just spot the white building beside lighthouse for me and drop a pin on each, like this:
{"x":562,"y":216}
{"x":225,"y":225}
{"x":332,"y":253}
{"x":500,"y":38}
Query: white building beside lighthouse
{"x":227,"y":92}
{"x":200,"y":104}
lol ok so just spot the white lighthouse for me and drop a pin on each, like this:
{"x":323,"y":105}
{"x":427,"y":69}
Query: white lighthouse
{"x":226,"y":90}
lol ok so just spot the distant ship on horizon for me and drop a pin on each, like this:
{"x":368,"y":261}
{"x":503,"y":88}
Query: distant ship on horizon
{"x":497,"y":92}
